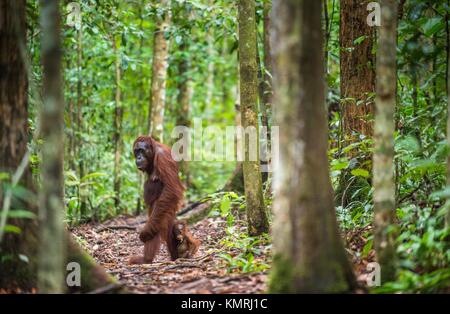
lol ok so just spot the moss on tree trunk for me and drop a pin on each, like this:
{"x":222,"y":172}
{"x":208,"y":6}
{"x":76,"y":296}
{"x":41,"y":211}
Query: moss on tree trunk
{"x":159,"y":74}
{"x":383,"y":159}
{"x":256,"y":211}
{"x":308,"y":252}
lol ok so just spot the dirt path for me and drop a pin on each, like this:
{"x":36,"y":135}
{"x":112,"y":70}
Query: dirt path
{"x":206,"y":273}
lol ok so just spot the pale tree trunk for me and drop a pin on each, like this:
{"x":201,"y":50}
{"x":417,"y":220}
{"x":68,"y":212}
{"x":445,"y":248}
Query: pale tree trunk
{"x":265,"y":88}
{"x":139,"y":110}
{"x":383,"y":168}
{"x":83,"y":205}
{"x":210,"y":77}
{"x":51,"y":195}
{"x":309,"y":256}
{"x":159,"y":74}
{"x":71,"y":122}
{"x":118,"y":113}
{"x":236,"y":181}
{"x":267,"y":84}
{"x":357,"y":69}
{"x":184,"y":102}
{"x":256,"y":211}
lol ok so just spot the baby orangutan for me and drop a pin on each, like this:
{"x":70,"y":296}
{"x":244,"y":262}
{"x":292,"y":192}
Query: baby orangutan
{"x":186,"y":244}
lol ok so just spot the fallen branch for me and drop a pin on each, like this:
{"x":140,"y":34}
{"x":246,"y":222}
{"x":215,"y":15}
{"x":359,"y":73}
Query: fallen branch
{"x":184,"y":265}
{"x":117,"y":227}
{"x":193,"y":206}
{"x":181,"y":262}
{"x":200,"y":258}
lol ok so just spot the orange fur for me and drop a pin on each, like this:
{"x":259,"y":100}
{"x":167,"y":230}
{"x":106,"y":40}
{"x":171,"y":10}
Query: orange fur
{"x":163,"y":194}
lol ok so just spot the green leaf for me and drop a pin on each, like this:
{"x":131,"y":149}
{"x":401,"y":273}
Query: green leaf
{"x":441,"y":194}
{"x":93,"y":175}
{"x":339,"y":165}
{"x":433,"y":25}
{"x":12,"y":229}
{"x":225,"y":206}
{"x":4,"y":176}
{"x":408,"y":143}
{"x":360,"y":173}
{"x":367,"y":247}
{"x":21,"y":213}
{"x":359,"y":40}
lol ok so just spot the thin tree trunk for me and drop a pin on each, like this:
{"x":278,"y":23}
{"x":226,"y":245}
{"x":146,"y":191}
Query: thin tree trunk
{"x":140,"y":110}
{"x":71,"y":122}
{"x":118,"y":113}
{"x":308,"y":253}
{"x":184,"y":103}
{"x":383,"y":169}
{"x":236,"y":181}
{"x":357,"y":69}
{"x":326,"y":17}
{"x":210,"y":76}
{"x":447,"y":78}
{"x":267,"y":93}
{"x":83,"y":205}
{"x":265,"y":86}
{"x":51,"y":195}
{"x":256,"y":211}
{"x":159,"y":74}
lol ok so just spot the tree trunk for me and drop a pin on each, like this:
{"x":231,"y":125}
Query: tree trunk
{"x":13,"y":146}
{"x":256,"y":211}
{"x":51,"y":194}
{"x":210,"y":77}
{"x":267,"y":80}
{"x":447,"y":218}
{"x":308,"y":253}
{"x":159,"y":74}
{"x":19,"y":252}
{"x":357,"y":69}
{"x":118,"y":113}
{"x":83,"y":205}
{"x":184,"y":102}
{"x":383,"y":159}
{"x":236,"y":181}
{"x":265,"y":89}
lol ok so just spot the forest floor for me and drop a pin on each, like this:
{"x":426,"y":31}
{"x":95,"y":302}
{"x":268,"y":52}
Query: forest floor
{"x":113,"y":242}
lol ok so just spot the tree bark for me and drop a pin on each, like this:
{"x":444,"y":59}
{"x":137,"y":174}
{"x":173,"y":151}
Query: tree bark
{"x":308,"y":253}
{"x":19,"y":252}
{"x":118,"y":114}
{"x":447,"y":77}
{"x":13,"y":145}
{"x":256,"y":211}
{"x":357,"y":69}
{"x":383,"y":159}
{"x":184,"y":103}
{"x":210,"y":76}
{"x":80,"y":129}
{"x":51,"y":194}
{"x":267,"y":79}
{"x":159,"y":74}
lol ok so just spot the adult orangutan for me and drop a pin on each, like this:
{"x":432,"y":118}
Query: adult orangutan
{"x":163,"y":193}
